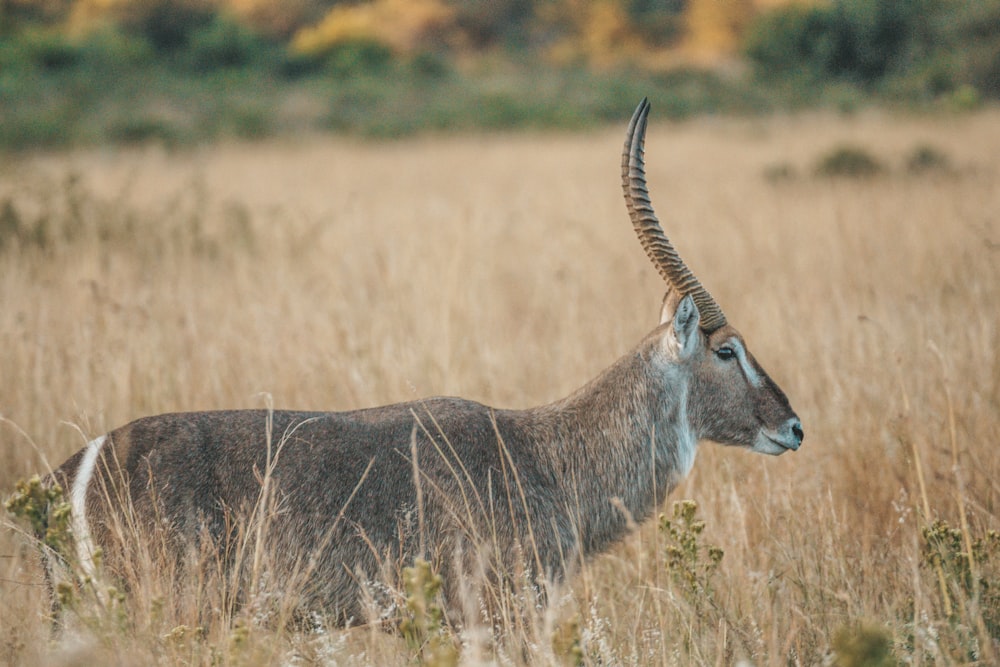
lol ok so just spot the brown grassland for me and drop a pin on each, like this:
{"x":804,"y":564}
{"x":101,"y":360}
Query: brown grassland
{"x":328,"y":274}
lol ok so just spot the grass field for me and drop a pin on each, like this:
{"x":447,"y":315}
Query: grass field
{"x":327,"y":274}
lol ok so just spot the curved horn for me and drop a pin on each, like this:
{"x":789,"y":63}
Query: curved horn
{"x":654,"y":241}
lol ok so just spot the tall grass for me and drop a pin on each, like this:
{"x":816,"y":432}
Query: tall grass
{"x":329,"y":275}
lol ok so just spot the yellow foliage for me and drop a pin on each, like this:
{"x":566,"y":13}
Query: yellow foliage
{"x":274,"y":18}
{"x":85,"y":13}
{"x":714,"y":27}
{"x":599,"y":31}
{"x":602,"y":33}
{"x":399,"y":24}
{"x":607,"y":33}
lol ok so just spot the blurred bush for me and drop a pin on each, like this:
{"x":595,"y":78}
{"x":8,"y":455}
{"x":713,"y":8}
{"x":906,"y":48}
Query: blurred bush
{"x":925,"y":159}
{"x":166,"y":24}
{"x":358,"y":57}
{"x":659,"y":22}
{"x":485,"y":24}
{"x":222,"y":43}
{"x":177,"y":71}
{"x":849,"y":161}
{"x":46,"y":49}
{"x":863,"y":645}
{"x":858,"y":40}
{"x":50,"y":50}
{"x":906,"y":49}
{"x":141,"y":128}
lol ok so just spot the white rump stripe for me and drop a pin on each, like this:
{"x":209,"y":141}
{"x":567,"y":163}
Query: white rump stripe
{"x":78,"y":502}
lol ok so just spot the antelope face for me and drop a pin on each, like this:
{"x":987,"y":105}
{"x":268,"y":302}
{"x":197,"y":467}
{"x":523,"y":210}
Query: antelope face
{"x":731,"y":399}
{"x":743,"y":404}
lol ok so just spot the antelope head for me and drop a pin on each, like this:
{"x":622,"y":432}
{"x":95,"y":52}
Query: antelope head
{"x":731,"y":399}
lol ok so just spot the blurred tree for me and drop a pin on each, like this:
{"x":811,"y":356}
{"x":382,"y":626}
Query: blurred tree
{"x":960,"y":45}
{"x":279,"y":18}
{"x":482,"y":25}
{"x":166,"y":24}
{"x":14,"y":13}
{"x":866,"y":41}
{"x":223,"y":43}
{"x":605,"y":32}
{"x":871,"y":38}
{"x":659,"y":22}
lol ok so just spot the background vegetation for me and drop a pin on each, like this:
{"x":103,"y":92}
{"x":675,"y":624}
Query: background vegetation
{"x":333,"y":274}
{"x":854,"y":243}
{"x":182,"y":71}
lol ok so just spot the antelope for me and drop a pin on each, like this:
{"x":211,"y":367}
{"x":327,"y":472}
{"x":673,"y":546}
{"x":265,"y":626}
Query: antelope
{"x":544,"y":488}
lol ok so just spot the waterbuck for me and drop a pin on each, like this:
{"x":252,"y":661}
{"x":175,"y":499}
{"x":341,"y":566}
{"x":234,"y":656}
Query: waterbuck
{"x":347,"y":499}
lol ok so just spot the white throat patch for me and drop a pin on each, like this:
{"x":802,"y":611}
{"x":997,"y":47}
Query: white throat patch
{"x":687,"y":447}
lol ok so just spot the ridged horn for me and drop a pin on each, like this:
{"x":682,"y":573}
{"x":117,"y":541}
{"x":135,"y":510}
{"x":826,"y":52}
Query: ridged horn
{"x":654,"y":241}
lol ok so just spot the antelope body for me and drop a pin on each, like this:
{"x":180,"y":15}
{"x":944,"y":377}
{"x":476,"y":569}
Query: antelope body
{"x":353,"y":496}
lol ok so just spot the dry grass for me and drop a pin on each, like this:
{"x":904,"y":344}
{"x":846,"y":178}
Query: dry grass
{"x":330,"y":275}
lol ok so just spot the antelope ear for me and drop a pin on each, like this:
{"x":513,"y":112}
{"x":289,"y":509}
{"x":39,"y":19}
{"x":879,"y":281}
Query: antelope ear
{"x":684,"y":316}
{"x":669,"y":305}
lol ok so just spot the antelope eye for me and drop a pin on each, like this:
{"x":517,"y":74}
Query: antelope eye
{"x":725,"y":353}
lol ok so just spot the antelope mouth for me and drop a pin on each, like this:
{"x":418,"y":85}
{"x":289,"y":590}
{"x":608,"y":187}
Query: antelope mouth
{"x":773,"y":445}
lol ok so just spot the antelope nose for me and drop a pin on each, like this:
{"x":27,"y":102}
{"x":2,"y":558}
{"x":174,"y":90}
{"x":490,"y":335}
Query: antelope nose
{"x":797,"y":434}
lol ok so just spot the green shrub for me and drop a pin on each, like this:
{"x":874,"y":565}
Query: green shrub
{"x":142,"y":128}
{"x":429,"y":65}
{"x":912,"y":50}
{"x":293,"y":65}
{"x":850,"y":161}
{"x":110,"y":48}
{"x":567,"y":642}
{"x":498,"y":22}
{"x":42,"y":127}
{"x":366,"y":57}
{"x":969,"y":34}
{"x":843,"y":96}
{"x":249,"y":122}
{"x":692,"y":563}
{"x":45,"y":49}
{"x":46,"y":510}
{"x":423,"y":626}
{"x":856,"y":40}
{"x":863,"y":646}
{"x":964,"y":98}
{"x":167,"y":25}
{"x":50,"y":55}
{"x":503,"y":111}
{"x":351,"y":59}
{"x":788,"y":40}
{"x":658,"y":21}
{"x":968,"y":567}
{"x":925,"y":158}
{"x":223,"y":43}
